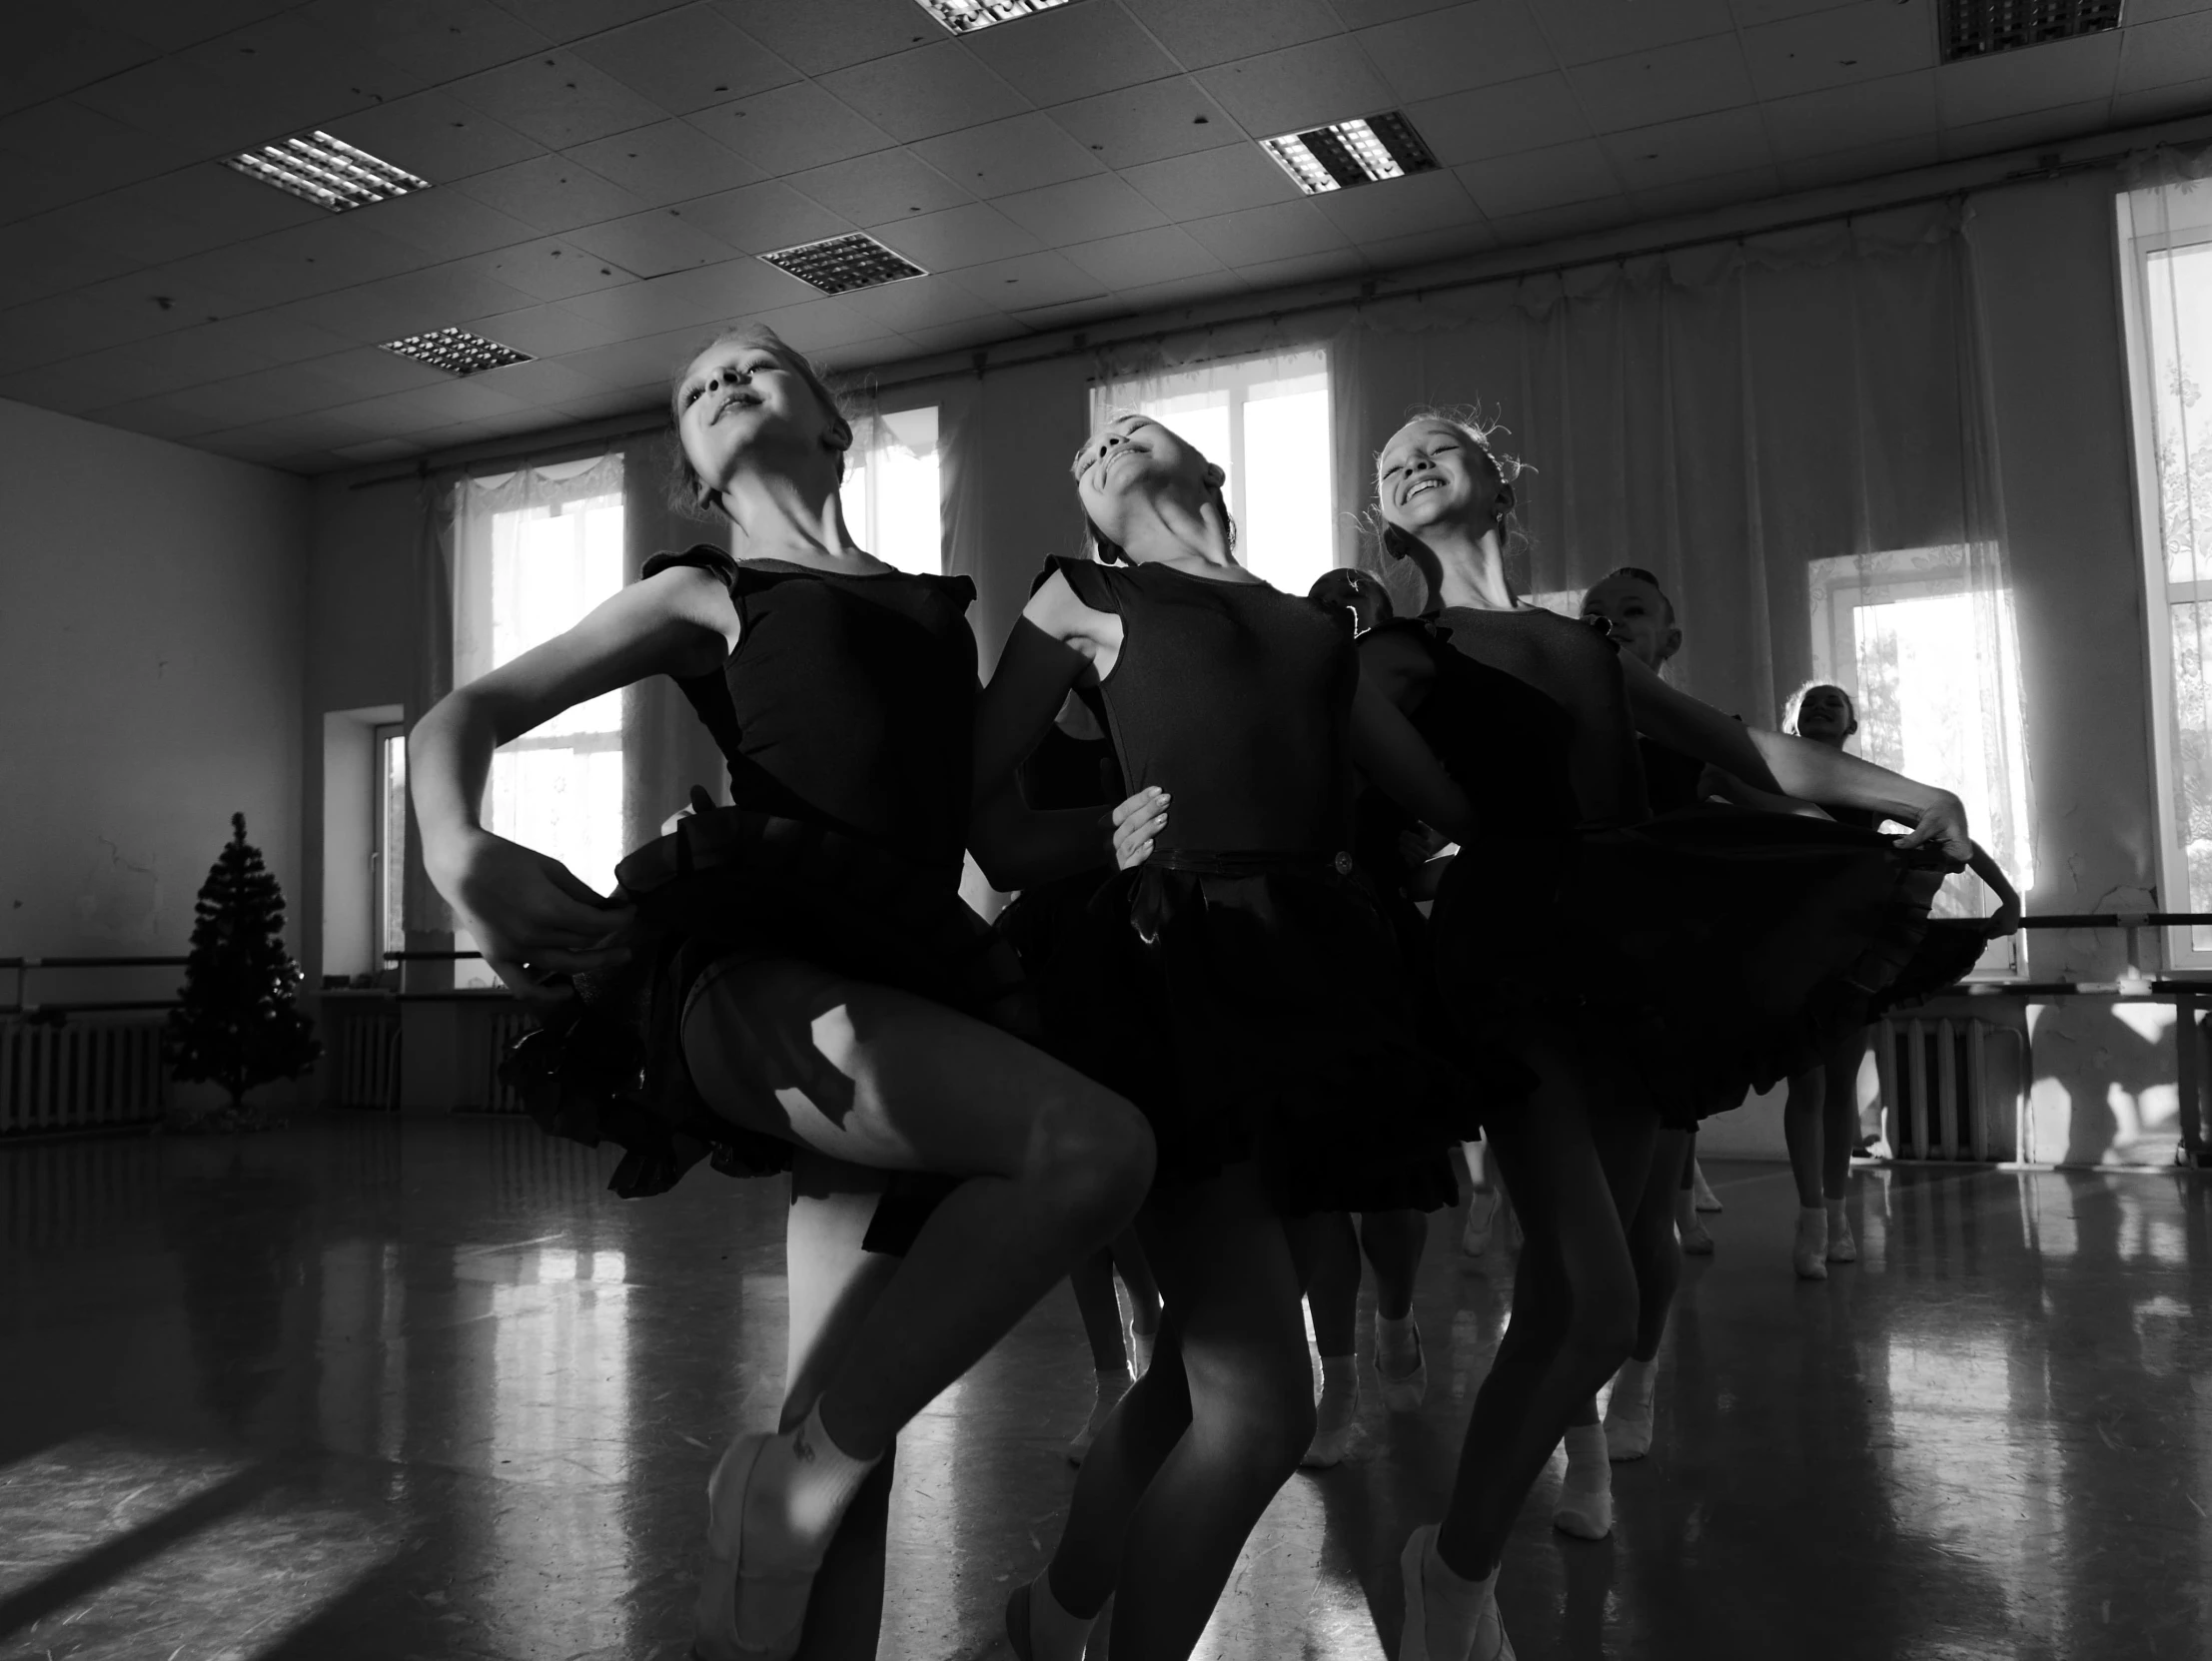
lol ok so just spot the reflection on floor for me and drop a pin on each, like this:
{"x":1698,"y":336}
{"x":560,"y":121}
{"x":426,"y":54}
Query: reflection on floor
{"x":373,"y":1388}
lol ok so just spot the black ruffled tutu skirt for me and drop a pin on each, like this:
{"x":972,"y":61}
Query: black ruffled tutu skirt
{"x":1706,"y":953}
{"x":608,"y":1067}
{"x":1947,"y":955}
{"x":1258,"y":1008}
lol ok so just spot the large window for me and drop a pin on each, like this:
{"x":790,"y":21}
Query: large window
{"x":1266,"y":420}
{"x":890,"y":494}
{"x":1930,"y":660}
{"x":388,"y":889}
{"x":2166,"y":245}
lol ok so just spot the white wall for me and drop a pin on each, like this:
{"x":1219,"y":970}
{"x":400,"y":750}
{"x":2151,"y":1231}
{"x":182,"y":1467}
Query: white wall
{"x":152,"y":638}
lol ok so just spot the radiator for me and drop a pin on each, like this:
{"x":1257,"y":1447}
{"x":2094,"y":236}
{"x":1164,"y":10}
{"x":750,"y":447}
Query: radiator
{"x":1950,"y":1087}
{"x":365,"y":1045}
{"x":502,"y":1025}
{"x":89,"y":1074}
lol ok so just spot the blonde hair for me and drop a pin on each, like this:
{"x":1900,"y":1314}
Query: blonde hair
{"x":1507,"y":467}
{"x":1798,"y":700}
{"x":687,"y":492}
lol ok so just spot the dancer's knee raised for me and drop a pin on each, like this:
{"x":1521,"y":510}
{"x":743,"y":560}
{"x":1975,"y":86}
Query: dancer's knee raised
{"x":1093,"y":1147}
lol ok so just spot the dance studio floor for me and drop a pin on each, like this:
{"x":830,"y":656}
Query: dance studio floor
{"x":379,"y":1388}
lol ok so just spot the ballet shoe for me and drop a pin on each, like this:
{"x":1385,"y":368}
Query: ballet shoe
{"x":1402,"y":1392}
{"x":1842,"y":1247}
{"x":1413,"y":1642}
{"x":1585,"y":1508}
{"x":1702,"y":1197}
{"x":768,"y":1628}
{"x":1328,"y":1448}
{"x":1584,"y":1513}
{"x":1629,"y":1412}
{"x":1696,"y":1242}
{"x":1810,"y":1252}
{"x":1481,"y":1214}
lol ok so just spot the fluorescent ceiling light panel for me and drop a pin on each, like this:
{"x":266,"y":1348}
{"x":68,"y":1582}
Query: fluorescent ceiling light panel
{"x":456,"y":351}
{"x":327,"y":170}
{"x":838,"y":265}
{"x":964,"y":17}
{"x":1346,"y":152}
{"x":1977,"y":28}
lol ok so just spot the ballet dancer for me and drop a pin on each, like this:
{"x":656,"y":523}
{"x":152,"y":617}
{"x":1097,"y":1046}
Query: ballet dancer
{"x":1241,"y":986}
{"x":1073,"y":767}
{"x":795,"y":978}
{"x":1820,"y":1113}
{"x":1637,"y":970}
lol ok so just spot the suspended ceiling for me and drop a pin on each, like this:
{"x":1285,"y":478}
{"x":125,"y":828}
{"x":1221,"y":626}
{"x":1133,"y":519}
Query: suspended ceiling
{"x":605,"y":173}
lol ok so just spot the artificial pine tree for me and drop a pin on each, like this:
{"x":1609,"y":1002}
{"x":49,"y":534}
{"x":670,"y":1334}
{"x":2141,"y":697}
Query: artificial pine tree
{"x":235,"y":1023}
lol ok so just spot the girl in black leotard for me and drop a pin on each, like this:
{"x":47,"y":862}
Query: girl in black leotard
{"x":1638,"y":971}
{"x":1241,"y":986}
{"x":793,"y":981}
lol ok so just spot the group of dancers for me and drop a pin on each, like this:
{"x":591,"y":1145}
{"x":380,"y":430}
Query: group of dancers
{"x":1215,"y":1027}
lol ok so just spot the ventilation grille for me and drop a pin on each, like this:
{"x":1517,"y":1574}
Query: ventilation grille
{"x":839,"y":265}
{"x":327,"y":170}
{"x":1364,"y":151}
{"x":964,"y":17}
{"x":456,"y":351}
{"x":1976,"y":27}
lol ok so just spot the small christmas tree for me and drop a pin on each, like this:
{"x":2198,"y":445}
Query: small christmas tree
{"x":235,"y":1023}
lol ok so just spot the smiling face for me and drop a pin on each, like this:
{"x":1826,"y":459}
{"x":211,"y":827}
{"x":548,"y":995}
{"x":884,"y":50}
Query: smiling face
{"x":1433,"y":473}
{"x":746,"y":399}
{"x":1826,"y":716}
{"x":1637,"y":616}
{"x":1130,"y":463}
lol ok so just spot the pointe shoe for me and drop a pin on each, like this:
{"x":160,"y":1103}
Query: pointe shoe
{"x":1330,"y":1444}
{"x":1586,"y":1513}
{"x":1413,"y":1643}
{"x":1702,"y":1197}
{"x":1810,"y":1252}
{"x":1695,"y":1242}
{"x":1402,"y":1392}
{"x":1842,"y":1247}
{"x":768,"y":1628}
{"x":1481,"y":1214}
{"x":1629,"y":1412}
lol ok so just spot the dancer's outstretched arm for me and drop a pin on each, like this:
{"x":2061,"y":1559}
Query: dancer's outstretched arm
{"x":532,"y":917}
{"x":1694,"y":727}
{"x":1818,"y":773}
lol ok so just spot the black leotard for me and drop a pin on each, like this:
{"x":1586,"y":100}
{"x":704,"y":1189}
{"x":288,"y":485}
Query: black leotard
{"x":1243,"y":987}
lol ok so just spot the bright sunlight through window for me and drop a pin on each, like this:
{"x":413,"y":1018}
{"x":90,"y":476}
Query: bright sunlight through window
{"x":890,"y":491}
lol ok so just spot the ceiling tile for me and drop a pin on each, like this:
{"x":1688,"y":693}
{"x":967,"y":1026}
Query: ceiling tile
{"x":91,"y":382}
{"x":1255,"y":236}
{"x":1215,"y":182}
{"x":1205,"y":32}
{"x":35,"y":260}
{"x":1450,"y":50}
{"x":821,"y":323}
{"x":265,"y":337}
{"x":1399,"y":207}
{"x":920,"y":302}
{"x":1585,"y":30}
{"x":376,"y":449}
{"x":1302,"y":87}
{"x":669,"y":161}
{"x":557,"y":99}
{"x":1073,"y":313}
{"x":2068,"y":121}
{"x":1081,"y":210}
{"x":568,"y":20}
{"x":77,"y":152}
{"x":686,"y":300}
{"x":1863,"y":42}
{"x":1572,"y":218}
{"x":172,"y":27}
{"x":544,"y":330}
{"x":266,"y":394}
{"x":791,"y":127}
{"x":1851,"y":118}
{"x":933,"y":90}
{"x":1019,"y":154}
{"x":435,"y":136}
{"x":1142,"y":257}
{"x":987,"y":329}
{"x":966,"y":236}
{"x":1073,"y":52}
{"x":187,"y":212}
{"x":652,"y":245}
{"x":761,"y":219}
{"x":1032,"y":280}
{"x":194,"y":113}
{"x":1123,"y":129}
{"x":1183,"y":291}
{"x":155,"y":416}
{"x":1692,"y":196}
{"x":539,"y":384}
{"x":52,"y":53}
{"x":1663,"y":84}
{"x":1728,"y":141}
{"x":1540,"y":178}
{"x":2013,"y":83}
{"x":334,"y":252}
{"x":1429,"y":246}
{"x":437,"y":39}
{"x":135,"y":307}
{"x":1866,"y":162}
{"x":1752,"y":13}
{"x":550,"y":193}
{"x":688,"y":59}
{"x":1497,"y":121}
{"x":413,"y":303}
{"x":863,"y":355}
{"x":878,"y":190}
{"x":301,"y":73}
{"x":651,"y":360}
{"x":457,"y":399}
{"x":372,"y":371}
{"x":826,"y":34}
{"x":2161,"y":103}
{"x":2157,"y":54}
{"x":550,"y":267}
{"x":1328,"y":265}
{"x":445,"y":224}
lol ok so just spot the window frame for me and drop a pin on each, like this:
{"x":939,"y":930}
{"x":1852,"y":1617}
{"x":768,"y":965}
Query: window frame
{"x":387,"y":864}
{"x":2134,"y":249}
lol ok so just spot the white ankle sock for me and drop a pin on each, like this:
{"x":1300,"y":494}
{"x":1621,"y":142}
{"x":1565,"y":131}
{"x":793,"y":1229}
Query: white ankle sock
{"x":798,"y":1495}
{"x":1586,"y":1494}
{"x":1396,"y":1345}
{"x":1459,"y":1609}
{"x":1055,"y":1634}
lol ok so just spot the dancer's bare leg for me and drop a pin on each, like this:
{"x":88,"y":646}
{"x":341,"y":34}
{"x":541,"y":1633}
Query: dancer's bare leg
{"x":1394,"y":1242}
{"x":1839,"y":1134}
{"x":1329,"y":1248}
